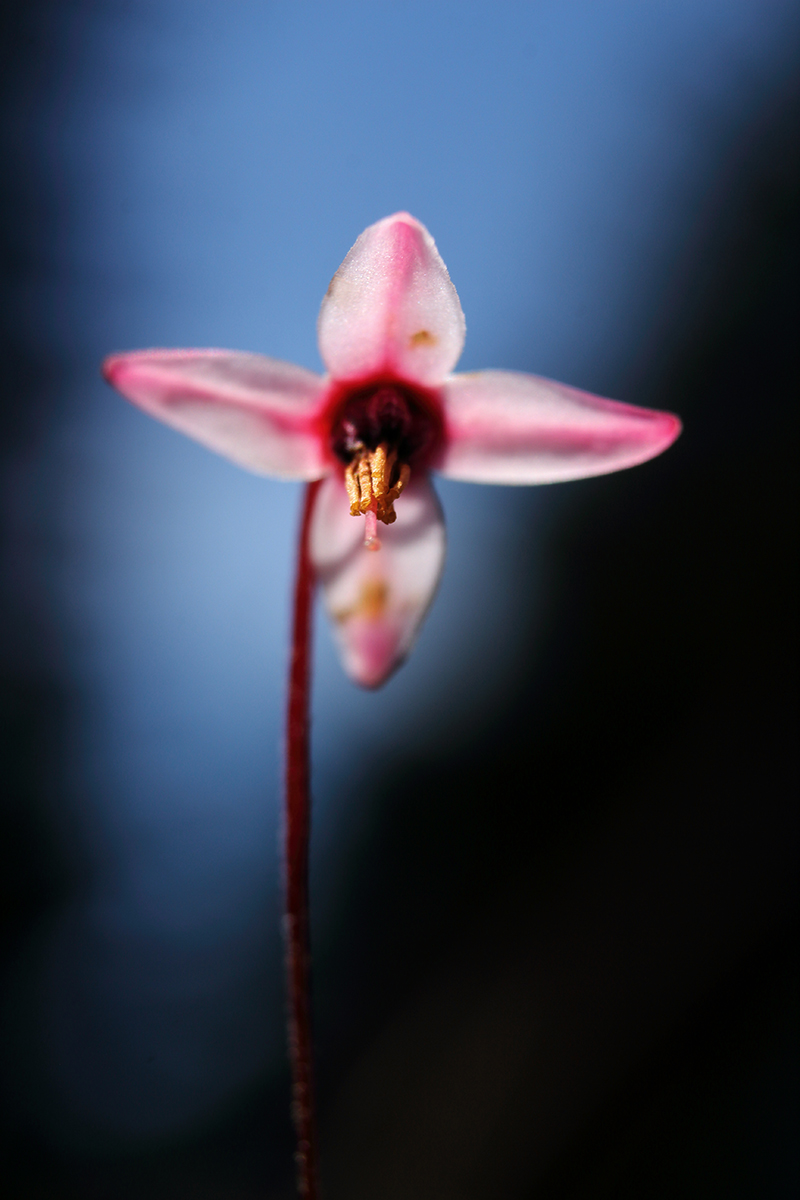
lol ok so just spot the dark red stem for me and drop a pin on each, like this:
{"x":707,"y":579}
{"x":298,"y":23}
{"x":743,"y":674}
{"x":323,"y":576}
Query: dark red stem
{"x":298,"y":830}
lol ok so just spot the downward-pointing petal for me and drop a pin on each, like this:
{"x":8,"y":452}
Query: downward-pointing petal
{"x":377,"y":599}
{"x":503,"y":427}
{"x":255,"y":410}
{"x":391,"y":308}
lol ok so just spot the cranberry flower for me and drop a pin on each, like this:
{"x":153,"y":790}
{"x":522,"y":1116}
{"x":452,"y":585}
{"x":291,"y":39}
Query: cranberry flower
{"x":365,"y":437}
{"x":388,"y":412}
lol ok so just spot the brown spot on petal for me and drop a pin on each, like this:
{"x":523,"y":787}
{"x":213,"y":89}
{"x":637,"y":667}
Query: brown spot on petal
{"x":422,"y":338}
{"x":371,"y":604}
{"x":373,"y":599}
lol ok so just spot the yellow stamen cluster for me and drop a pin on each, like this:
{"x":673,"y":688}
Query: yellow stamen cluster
{"x":368,"y":480}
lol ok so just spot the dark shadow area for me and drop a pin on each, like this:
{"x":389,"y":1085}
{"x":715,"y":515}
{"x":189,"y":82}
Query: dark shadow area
{"x":33,"y":703}
{"x":586,"y":915}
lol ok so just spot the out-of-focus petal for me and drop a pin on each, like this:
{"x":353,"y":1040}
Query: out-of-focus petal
{"x":391,"y":308}
{"x":255,"y":410}
{"x":377,"y":599}
{"x":503,"y":427}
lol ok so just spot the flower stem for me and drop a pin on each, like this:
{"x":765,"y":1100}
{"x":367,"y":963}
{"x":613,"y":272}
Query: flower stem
{"x":298,"y":829}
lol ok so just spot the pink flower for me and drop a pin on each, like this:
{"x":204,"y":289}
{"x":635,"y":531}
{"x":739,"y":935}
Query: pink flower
{"x":388,"y":412}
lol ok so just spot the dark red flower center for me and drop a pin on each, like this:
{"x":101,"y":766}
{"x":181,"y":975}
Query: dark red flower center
{"x":381,"y":432}
{"x":407,"y":421}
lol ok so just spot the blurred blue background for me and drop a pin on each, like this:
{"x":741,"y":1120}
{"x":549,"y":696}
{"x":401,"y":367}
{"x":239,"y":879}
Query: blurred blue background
{"x":609,"y":186}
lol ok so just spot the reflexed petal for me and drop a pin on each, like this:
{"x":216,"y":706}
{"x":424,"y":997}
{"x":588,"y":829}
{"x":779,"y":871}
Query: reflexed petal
{"x":392,"y":308}
{"x":503,"y":427}
{"x":255,"y":410}
{"x":377,"y":599}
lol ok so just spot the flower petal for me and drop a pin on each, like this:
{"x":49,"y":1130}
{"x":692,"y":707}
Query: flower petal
{"x":391,"y":308}
{"x":503,"y":427}
{"x":377,"y":599}
{"x":255,"y":410}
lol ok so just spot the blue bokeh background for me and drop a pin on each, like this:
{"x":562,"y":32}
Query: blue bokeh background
{"x":192,"y":174}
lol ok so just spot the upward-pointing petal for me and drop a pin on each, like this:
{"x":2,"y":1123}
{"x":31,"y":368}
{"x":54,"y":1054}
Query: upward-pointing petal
{"x":377,"y":599}
{"x":503,"y":427}
{"x":391,"y":308}
{"x":255,"y":410}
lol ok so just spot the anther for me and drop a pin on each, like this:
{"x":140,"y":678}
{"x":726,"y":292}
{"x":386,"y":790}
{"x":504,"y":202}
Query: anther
{"x":353,"y":490}
{"x":379,"y":432}
{"x":365,"y":483}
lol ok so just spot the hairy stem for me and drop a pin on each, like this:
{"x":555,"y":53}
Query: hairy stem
{"x":298,"y":829}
